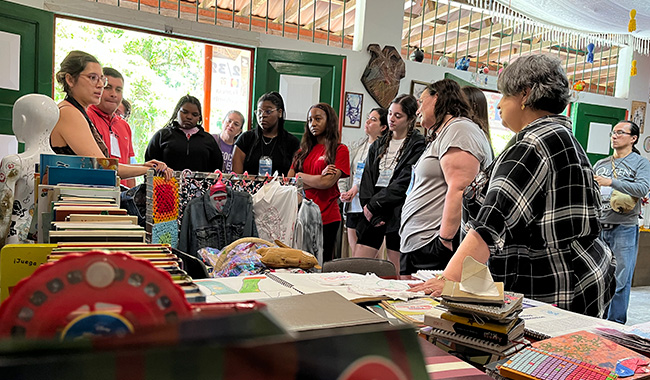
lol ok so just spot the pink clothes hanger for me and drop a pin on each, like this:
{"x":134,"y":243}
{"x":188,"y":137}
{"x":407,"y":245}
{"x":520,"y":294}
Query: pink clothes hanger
{"x":218,"y":186}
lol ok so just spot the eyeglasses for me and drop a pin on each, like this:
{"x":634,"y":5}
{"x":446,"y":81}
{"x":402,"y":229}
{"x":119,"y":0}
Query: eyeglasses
{"x":266,"y":112}
{"x":94,"y":78}
{"x":618,"y":133}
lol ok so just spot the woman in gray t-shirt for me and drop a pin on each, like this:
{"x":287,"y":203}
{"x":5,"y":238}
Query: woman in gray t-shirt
{"x":457,"y":150}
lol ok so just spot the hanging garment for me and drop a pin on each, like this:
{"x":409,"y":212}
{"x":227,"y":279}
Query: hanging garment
{"x":205,"y":226}
{"x":308,"y":234}
{"x":276,"y":210}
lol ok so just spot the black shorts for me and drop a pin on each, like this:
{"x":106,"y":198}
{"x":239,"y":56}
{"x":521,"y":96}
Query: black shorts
{"x":433,"y":256}
{"x":352,"y":218}
{"x":374,"y":236}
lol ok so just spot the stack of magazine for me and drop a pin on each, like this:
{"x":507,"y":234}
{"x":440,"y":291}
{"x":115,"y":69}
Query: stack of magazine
{"x":491,"y":327}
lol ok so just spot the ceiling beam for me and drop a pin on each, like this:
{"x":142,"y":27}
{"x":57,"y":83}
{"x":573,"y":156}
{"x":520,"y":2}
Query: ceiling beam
{"x":322,"y":21}
{"x":428,"y":17}
{"x":442,"y":29}
{"x":299,"y":8}
{"x":248,"y":7}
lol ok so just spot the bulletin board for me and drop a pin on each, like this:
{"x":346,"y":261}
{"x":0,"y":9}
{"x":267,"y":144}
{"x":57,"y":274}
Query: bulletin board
{"x":591,"y":126}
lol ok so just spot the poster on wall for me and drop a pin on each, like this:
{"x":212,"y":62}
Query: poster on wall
{"x":353,"y":107}
{"x":637,"y":113}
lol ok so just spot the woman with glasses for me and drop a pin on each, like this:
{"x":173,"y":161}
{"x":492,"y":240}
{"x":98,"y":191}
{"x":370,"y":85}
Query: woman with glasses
{"x":269,"y":147}
{"x":457,"y":150}
{"x":385,"y":179}
{"x":533,"y":213}
{"x":624,"y":176}
{"x":82,"y":80}
{"x":320,"y":162}
{"x":183,"y":143}
{"x":376,"y":126}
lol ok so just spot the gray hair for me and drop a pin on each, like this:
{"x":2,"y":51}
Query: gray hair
{"x":243,"y":119}
{"x":543,"y":76}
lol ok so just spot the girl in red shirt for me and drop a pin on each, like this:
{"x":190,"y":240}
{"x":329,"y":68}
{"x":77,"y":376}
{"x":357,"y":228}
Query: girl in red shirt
{"x":320,"y":162}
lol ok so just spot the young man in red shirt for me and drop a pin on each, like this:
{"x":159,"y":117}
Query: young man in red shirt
{"x":115,"y":131}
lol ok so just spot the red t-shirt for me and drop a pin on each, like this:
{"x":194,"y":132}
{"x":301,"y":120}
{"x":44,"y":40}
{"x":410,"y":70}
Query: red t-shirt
{"x":326,"y":199}
{"x":119,"y":127}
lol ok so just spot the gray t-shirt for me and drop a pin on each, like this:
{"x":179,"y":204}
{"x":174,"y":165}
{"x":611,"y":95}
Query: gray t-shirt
{"x":632,"y":178}
{"x":425,"y":199}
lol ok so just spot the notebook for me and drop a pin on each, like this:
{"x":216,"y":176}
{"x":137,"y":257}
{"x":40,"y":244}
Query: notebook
{"x":543,"y":322}
{"x":452,"y":292}
{"x":476,"y":343}
{"x":319,"y":311}
{"x":513,"y":302}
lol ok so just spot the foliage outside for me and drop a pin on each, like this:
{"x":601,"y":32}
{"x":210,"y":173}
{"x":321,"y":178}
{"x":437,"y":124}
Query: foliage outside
{"x":157,"y":71}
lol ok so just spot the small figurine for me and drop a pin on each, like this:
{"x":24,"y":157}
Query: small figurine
{"x":443,"y":61}
{"x":462,"y":63}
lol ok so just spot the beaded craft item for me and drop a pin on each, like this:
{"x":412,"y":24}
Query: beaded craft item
{"x":165,"y":200}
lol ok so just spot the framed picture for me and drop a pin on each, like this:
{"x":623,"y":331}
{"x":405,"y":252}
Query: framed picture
{"x":417,"y":87}
{"x":637,"y":113}
{"x":353,"y":107}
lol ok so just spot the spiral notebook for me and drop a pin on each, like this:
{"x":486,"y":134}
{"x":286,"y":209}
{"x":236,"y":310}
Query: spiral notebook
{"x":476,"y":343}
{"x":549,"y":321}
{"x":513,"y":303}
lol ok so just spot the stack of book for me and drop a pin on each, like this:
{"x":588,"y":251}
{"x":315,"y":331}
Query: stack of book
{"x":159,"y":255}
{"x":486,"y":323}
{"x":79,"y":202}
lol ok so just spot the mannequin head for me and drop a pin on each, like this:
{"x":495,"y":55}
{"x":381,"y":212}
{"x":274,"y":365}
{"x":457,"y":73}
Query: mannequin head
{"x":34,"y":117}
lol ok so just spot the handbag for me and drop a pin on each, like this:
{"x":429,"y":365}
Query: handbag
{"x":621,"y":203}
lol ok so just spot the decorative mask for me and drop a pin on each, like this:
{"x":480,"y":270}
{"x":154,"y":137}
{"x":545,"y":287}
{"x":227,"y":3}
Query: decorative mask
{"x":383,"y":73}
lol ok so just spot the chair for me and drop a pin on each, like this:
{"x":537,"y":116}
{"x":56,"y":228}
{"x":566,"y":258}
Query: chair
{"x":361,"y":265}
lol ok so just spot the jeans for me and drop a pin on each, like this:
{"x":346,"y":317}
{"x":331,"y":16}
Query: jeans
{"x":623,"y":240}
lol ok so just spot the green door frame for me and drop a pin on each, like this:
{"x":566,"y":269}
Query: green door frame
{"x":36,"y":28}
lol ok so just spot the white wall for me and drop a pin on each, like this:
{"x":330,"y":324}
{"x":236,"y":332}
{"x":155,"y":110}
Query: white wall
{"x":382,"y":24}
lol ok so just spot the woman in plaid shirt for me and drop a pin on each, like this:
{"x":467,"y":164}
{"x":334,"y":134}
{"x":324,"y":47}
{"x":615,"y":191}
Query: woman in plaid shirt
{"x":533,"y":214}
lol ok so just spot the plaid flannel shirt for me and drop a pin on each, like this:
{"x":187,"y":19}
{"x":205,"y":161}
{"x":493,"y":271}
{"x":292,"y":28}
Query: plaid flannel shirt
{"x":537,"y":209}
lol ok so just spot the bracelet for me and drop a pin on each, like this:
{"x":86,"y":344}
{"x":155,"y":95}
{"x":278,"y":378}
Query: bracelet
{"x":447,"y":240}
{"x":441,"y":277}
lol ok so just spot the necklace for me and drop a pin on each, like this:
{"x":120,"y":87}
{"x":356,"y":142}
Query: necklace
{"x":264,"y":140}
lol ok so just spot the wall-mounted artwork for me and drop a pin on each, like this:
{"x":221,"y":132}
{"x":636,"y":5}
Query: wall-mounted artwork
{"x":637,"y":113}
{"x":353,"y":107}
{"x":383,"y":73}
{"x":417,"y":87}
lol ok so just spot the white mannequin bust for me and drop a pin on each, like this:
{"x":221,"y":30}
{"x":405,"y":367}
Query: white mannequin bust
{"x":34,"y":117}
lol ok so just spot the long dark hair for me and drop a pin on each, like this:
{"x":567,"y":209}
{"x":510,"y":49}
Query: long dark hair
{"x":410,"y":108}
{"x":478,"y":104}
{"x":634,"y":131}
{"x":450,"y":102}
{"x":275,"y":98}
{"x":184,"y":100}
{"x":331,"y":135}
{"x":73,"y":63}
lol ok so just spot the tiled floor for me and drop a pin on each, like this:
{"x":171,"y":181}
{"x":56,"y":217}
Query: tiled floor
{"x":639,"y":309}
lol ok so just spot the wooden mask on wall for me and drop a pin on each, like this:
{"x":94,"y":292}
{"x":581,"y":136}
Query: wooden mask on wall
{"x":383,"y":73}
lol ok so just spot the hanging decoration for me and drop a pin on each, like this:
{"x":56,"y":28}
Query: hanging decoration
{"x":579,"y":85}
{"x":443,"y":61}
{"x":631,"y":26}
{"x":590,"y":53}
{"x":509,"y":13}
{"x":633,"y":70}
